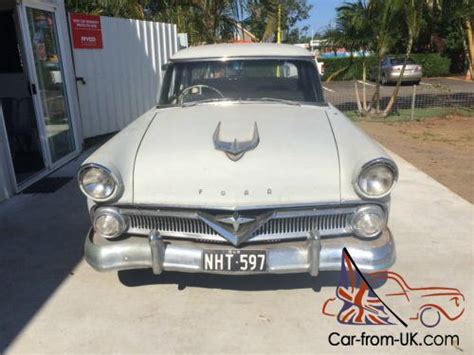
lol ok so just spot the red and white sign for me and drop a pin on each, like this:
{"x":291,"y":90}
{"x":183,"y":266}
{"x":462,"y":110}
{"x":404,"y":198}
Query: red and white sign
{"x":86,"y":31}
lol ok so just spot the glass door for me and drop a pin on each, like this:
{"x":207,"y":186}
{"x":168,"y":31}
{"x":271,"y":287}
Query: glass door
{"x":44,"y":31}
{"x":50,"y":86}
{"x":19,"y":123}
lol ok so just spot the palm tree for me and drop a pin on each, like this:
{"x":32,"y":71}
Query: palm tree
{"x":465,"y":11}
{"x":367,"y":25}
{"x":354,"y":32}
{"x":412,"y":12}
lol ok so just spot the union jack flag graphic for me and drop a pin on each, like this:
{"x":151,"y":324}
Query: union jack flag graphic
{"x":361,"y":305}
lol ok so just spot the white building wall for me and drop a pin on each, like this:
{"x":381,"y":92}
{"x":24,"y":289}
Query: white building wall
{"x":123,"y":79}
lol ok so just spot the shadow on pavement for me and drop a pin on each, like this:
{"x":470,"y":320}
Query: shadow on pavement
{"x":41,"y":241}
{"x":143,"y":277}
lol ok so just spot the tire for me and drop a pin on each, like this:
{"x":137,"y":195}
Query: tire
{"x":383,"y":81}
{"x":430,"y":317}
{"x":417,"y":82}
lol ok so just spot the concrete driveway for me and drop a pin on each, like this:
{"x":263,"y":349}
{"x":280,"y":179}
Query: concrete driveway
{"x":52,"y":301}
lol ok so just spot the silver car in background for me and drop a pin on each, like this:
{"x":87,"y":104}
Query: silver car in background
{"x":391,"y":69}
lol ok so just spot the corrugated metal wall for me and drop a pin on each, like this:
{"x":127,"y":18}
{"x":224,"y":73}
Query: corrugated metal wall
{"x":123,"y":79}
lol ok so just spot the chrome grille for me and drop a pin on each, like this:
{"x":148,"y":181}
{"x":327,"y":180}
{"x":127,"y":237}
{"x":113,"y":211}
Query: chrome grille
{"x":283,"y":225}
{"x":169,"y":224}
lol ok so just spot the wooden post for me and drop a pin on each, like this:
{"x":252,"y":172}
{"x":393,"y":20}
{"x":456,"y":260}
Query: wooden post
{"x":278,"y":22}
{"x":359,"y":107}
{"x":413,"y":101}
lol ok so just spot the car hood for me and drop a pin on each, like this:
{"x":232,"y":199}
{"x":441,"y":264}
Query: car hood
{"x":295,"y":162}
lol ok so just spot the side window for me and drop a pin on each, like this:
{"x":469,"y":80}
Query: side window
{"x":290,"y":70}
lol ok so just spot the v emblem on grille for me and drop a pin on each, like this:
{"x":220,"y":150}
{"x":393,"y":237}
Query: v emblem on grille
{"x":235,"y":228}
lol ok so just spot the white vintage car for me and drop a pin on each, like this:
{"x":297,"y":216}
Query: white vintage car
{"x":242,"y":168}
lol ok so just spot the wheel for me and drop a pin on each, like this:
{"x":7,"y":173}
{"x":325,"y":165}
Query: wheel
{"x":430,"y":317}
{"x":417,"y":82}
{"x":384,"y":79}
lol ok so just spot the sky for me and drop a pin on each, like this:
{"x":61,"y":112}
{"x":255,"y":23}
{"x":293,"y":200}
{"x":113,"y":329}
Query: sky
{"x":322,"y":14}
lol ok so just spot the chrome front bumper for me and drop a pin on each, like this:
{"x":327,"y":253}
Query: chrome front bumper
{"x":313,"y":255}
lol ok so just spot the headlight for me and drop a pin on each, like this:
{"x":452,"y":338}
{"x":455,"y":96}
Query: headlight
{"x":376,"y":179}
{"x":368,"y":221}
{"x":109,"y":223}
{"x":97,"y":182}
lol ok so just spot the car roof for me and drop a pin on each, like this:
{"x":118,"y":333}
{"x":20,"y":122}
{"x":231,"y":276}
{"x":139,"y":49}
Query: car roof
{"x":227,"y":50}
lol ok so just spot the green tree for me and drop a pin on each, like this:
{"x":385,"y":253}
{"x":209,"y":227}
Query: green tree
{"x":262,"y":17}
{"x":205,"y":21}
{"x":462,"y":15}
{"x":116,"y":8}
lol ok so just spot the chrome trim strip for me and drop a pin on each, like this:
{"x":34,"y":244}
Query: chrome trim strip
{"x":191,"y":214}
{"x":158,"y":206}
{"x":308,"y":58}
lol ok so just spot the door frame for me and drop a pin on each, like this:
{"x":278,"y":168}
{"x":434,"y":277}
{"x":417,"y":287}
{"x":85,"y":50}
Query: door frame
{"x":68,"y":77}
{"x":6,"y":159}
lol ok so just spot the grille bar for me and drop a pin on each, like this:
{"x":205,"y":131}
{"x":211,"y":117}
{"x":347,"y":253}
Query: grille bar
{"x":282,"y":226}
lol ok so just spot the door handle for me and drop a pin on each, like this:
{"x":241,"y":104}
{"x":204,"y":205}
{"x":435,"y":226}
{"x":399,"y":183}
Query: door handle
{"x":32,"y":89}
{"x":81,"y":79}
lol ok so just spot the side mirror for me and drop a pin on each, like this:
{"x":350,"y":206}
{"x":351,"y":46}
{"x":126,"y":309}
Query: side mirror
{"x":164,"y":67}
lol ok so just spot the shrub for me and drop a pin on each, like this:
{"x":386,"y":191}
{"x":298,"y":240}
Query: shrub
{"x":433,"y":65}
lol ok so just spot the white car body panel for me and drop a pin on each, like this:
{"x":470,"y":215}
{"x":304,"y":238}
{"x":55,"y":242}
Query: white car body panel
{"x":172,"y":160}
{"x":247,"y":50}
{"x":355,"y":149}
{"x":295,"y":162}
{"x":118,"y":154}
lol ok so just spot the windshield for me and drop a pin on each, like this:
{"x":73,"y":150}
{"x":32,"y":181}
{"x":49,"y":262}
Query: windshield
{"x":399,"y":61}
{"x":249,"y":79}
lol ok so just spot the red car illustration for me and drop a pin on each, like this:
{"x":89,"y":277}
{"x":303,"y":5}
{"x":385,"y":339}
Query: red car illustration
{"x":427,"y":304}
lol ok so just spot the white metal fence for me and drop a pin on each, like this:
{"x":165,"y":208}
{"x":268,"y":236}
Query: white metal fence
{"x":121,"y":81}
{"x":413,"y":100}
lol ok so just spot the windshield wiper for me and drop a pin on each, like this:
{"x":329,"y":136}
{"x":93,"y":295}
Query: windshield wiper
{"x":194,"y":103}
{"x":272,"y":99}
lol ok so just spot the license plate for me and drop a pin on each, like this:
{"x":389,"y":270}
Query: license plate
{"x":235,"y":260}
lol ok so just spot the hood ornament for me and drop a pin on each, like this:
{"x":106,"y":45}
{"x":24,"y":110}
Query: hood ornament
{"x":235,"y":150}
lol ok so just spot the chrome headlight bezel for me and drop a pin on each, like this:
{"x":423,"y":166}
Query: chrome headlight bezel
{"x":370,"y":165}
{"x":115,"y":213}
{"x":366,"y":209}
{"x":118,"y":186}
